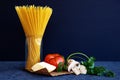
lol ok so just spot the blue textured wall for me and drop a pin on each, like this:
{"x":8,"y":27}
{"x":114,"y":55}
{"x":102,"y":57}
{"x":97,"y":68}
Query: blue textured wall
{"x":88,"y":26}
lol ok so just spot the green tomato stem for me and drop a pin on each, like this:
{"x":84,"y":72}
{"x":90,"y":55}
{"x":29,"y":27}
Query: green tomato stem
{"x":76,"y":54}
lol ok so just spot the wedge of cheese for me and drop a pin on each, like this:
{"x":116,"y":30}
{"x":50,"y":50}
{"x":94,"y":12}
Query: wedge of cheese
{"x":41,"y":65}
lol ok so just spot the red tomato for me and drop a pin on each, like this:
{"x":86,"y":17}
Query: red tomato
{"x":54,"y":59}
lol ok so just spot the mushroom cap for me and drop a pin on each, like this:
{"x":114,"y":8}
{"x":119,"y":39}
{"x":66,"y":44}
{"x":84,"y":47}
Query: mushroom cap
{"x":70,"y":61}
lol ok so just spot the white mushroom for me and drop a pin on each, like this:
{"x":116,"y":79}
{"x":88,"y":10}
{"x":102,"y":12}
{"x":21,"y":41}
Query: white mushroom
{"x":73,"y":66}
{"x":83,"y":69}
{"x":76,"y":70}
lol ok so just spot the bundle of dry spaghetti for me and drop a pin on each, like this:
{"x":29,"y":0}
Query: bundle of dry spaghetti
{"x":34,"y":20}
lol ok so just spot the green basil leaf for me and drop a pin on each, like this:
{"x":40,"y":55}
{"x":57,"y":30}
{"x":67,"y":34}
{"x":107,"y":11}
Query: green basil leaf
{"x":60,"y":67}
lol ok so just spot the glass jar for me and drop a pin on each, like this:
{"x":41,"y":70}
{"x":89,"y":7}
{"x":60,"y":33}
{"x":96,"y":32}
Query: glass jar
{"x":33,"y":51}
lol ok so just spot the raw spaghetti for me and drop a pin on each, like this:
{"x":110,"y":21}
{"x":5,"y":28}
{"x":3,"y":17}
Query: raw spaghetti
{"x":34,"y":20}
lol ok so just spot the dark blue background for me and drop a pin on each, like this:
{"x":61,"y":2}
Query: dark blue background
{"x":88,"y":26}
